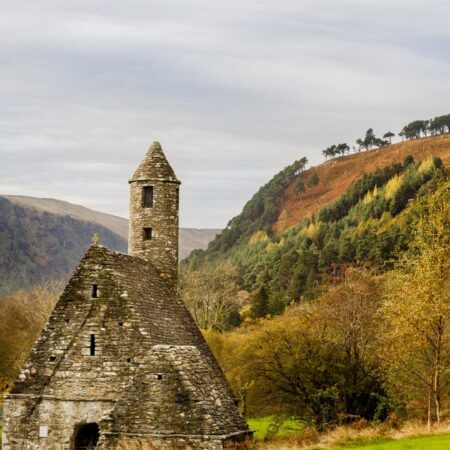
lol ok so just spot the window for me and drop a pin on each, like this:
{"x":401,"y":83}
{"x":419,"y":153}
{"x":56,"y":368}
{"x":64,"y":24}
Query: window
{"x":148,"y":197}
{"x":148,"y":234}
{"x":94,"y":291}
{"x":178,"y":198}
{"x":92,"y":344}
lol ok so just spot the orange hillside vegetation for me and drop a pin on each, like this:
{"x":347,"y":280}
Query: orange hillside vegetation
{"x":336,"y":176}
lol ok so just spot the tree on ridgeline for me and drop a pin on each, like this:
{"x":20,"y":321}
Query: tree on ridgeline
{"x":336,"y":150}
{"x":360,"y":143}
{"x":389,"y":135}
{"x":370,"y":141}
{"x":422,"y":128}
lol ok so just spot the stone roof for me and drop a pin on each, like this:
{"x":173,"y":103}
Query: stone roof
{"x":154,"y":167}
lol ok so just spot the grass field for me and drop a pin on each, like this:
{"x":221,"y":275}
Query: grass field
{"x":261,"y":426}
{"x":435,"y":442}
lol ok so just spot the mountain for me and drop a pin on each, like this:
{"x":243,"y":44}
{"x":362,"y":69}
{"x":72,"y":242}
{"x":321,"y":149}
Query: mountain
{"x":45,"y":238}
{"x":305,"y":226}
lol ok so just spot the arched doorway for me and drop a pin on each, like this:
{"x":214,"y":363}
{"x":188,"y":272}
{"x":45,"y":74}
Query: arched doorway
{"x":86,"y":436}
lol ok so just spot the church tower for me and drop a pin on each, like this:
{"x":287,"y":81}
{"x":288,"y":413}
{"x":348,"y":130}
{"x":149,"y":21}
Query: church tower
{"x":154,"y":202}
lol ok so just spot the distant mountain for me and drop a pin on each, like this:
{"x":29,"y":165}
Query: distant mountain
{"x":43,"y":238}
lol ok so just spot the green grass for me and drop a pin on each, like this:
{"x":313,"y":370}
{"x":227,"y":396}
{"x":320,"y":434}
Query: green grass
{"x":436,"y":442}
{"x":261,"y":426}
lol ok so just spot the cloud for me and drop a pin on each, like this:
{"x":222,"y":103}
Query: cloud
{"x":233,"y":90}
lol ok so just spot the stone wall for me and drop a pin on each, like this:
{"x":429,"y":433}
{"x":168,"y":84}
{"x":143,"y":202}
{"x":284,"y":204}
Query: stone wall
{"x":162,"y":249}
{"x":50,"y":422}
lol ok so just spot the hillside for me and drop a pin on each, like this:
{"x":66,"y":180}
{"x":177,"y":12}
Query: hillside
{"x":355,"y":210}
{"x":337,"y":175}
{"x":45,"y":238}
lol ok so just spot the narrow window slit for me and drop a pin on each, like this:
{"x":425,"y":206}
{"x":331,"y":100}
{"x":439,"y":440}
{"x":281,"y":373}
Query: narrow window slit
{"x":92,"y":344}
{"x":94,"y":291}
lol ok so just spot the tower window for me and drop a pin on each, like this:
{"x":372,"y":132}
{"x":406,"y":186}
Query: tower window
{"x":148,"y":197}
{"x":94,"y":291}
{"x":92,"y":344}
{"x":148,"y":234}
{"x":178,"y":198}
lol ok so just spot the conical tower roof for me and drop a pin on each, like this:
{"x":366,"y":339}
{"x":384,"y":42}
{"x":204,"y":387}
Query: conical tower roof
{"x":154,"y":167}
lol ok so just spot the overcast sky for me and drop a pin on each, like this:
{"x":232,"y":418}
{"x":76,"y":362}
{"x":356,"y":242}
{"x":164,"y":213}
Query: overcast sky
{"x":234,"y":90}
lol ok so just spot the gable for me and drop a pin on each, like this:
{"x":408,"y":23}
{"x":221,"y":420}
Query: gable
{"x":61,"y":362}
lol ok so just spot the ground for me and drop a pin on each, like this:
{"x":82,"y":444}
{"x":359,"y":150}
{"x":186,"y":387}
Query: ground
{"x":436,"y":442}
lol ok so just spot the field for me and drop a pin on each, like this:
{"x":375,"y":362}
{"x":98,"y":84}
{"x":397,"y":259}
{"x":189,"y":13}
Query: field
{"x":436,"y":442}
{"x":410,"y":436}
{"x":261,"y":425}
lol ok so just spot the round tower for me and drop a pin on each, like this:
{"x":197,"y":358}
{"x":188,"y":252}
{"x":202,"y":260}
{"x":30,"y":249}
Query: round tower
{"x":154,"y":201}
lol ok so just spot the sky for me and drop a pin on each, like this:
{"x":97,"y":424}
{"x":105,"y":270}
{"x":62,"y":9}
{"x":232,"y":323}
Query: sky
{"x":234,"y":90}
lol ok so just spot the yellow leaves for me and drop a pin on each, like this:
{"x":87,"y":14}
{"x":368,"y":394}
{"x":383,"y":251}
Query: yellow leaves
{"x":426,"y":165}
{"x":258,"y":236}
{"x":271,"y":246}
{"x":415,"y":316}
{"x":392,"y":186}
{"x":311,"y":231}
{"x":370,"y":196}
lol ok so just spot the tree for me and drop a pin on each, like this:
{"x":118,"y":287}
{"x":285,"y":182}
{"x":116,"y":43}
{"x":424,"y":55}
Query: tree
{"x":350,"y":308}
{"x":370,"y":140}
{"x":360,"y":143}
{"x":260,"y":303}
{"x":389,"y":135}
{"x":415,"y":342}
{"x":211,"y":294}
{"x":299,"y":185}
{"x":294,"y":364}
{"x":22,"y":317}
{"x":313,"y":180}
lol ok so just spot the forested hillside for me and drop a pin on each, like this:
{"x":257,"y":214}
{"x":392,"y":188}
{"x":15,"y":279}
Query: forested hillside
{"x":357,"y":209}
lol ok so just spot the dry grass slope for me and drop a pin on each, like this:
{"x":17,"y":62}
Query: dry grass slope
{"x":336,"y":176}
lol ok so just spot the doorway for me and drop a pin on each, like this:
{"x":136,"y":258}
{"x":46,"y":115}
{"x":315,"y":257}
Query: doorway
{"x":86,"y":436}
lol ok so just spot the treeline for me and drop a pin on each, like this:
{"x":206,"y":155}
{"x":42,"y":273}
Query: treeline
{"x":413,"y":130}
{"x":373,"y":346}
{"x":369,"y":225}
{"x":423,"y":128}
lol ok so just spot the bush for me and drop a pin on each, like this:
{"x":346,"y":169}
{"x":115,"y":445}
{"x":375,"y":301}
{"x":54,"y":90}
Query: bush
{"x":313,"y":180}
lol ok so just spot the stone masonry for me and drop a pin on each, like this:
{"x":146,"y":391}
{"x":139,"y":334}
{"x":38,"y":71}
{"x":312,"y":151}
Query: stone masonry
{"x":121,"y":355}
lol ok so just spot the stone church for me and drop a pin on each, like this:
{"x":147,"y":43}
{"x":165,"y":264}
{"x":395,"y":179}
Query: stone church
{"x":120,"y":356}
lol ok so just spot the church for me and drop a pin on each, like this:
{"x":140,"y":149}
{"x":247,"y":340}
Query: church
{"x":120,"y":356}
